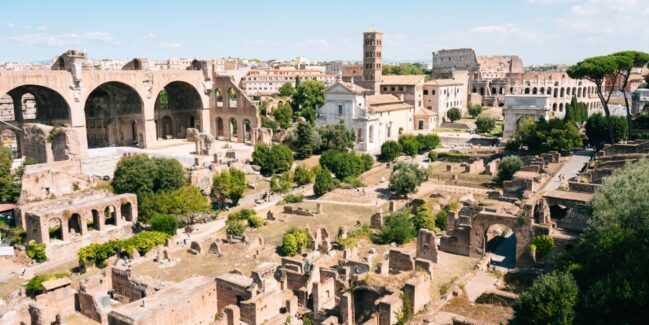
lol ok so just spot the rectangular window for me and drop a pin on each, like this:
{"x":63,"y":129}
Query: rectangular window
{"x":433,"y":92}
{"x":340,"y":109}
{"x":425,"y":91}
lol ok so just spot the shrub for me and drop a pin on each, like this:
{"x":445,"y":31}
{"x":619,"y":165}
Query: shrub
{"x":440,"y":219}
{"x":397,"y":229}
{"x":550,"y":300}
{"x":353,"y":236}
{"x":36,"y":251}
{"x":428,"y":141}
{"x":390,"y":150}
{"x":165,"y":223}
{"x":474,"y":110}
{"x":352,"y":182}
{"x":181,"y":202}
{"x":485,"y":124}
{"x":140,"y":174}
{"x":454,"y":155}
{"x":409,"y":145}
{"x":302,"y":175}
{"x":544,"y":245}
{"x":277,"y":159}
{"x":34,"y":286}
{"x":344,"y":164}
{"x":508,"y":167}
{"x":294,"y":198}
{"x":239,"y":221}
{"x":424,"y":219}
{"x":235,"y":227}
{"x":406,"y":177}
{"x":323,"y":182}
{"x":433,"y":155}
{"x":294,"y":240}
{"x":453,"y":114}
{"x":96,"y":254}
{"x":255,"y":221}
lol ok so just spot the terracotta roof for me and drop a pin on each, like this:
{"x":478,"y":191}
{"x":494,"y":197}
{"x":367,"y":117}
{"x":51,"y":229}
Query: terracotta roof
{"x":442,"y":82}
{"x":406,"y":80}
{"x":7,"y":207}
{"x":349,"y":86}
{"x":385,"y":103}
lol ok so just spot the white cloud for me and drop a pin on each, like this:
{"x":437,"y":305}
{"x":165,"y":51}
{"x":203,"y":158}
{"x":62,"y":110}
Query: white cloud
{"x":58,"y":40}
{"x":489,"y":29}
{"x":152,"y":35}
{"x":42,"y":28}
{"x":17,"y":26}
{"x":169,"y":45}
{"x":549,"y":2}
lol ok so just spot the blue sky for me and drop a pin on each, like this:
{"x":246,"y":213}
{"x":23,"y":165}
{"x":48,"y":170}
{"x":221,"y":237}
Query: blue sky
{"x":540,"y":31}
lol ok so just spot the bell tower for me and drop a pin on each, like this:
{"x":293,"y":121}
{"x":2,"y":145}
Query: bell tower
{"x":372,"y":67}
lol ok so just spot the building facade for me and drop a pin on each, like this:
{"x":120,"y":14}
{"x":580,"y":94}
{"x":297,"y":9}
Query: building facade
{"x":372,"y":66}
{"x":373,"y":118}
{"x":268,"y":82}
{"x":440,"y":95}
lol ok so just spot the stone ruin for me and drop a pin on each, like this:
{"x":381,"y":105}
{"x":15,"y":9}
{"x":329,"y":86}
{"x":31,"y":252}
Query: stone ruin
{"x":205,"y":142}
{"x":300,"y":211}
{"x":46,"y":144}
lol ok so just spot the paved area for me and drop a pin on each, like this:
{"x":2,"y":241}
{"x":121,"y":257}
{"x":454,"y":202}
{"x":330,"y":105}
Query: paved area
{"x":570,"y":169}
{"x":479,"y":284}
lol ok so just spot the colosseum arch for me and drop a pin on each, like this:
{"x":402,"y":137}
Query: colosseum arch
{"x":114,"y":116}
{"x":220,"y":129}
{"x":247,"y":131}
{"x":181,"y":103}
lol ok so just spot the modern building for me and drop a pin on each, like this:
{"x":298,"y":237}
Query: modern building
{"x":374,"y":118}
{"x":267,"y":82}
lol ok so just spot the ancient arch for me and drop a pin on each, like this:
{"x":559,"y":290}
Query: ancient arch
{"x":562,"y":92}
{"x":494,"y":91}
{"x":232,"y":97}
{"x":74,"y":225}
{"x":110,"y":215}
{"x":247,"y":131}
{"x":501,"y":240}
{"x":39,"y":104}
{"x":220,"y":131}
{"x":527,"y":91}
{"x":10,"y":138}
{"x":554,"y":107}
{"x":556,"y":92}
{"x":114,"y":116}
{"x":180,"y":102}
{"x":521,"y":229}
{"x":55,"y":229}
{"x":234,"y":129}
{"x":127,"y":211}
{"x":534,"y":91}
{"x":218,"y":97}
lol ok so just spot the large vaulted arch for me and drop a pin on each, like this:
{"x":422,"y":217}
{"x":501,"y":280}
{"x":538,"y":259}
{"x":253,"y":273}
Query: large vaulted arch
{"x":177,"y":108}
{"x":114,"y":116}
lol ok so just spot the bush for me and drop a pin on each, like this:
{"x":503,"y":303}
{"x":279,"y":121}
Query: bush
{"x":406,"y":177}
{"x":424,"y":219}
{"x":165,"y":223}
{"x":409,"y":145}
{"x":397,"y":229}
{"x":96,"y":254}
{"x":229,"y":184}
{"x":390,"y":150}
{"x":255,"y":221}
{"x":428,"y":142}
{"x":544,"y":245}
{"x":353,"y":236}
{"x":440,"y":219}
{"x":485,"y":124}
{"x":180,"y":203}
{"x":140,"y":174}
{"x":34,"y":286}
{"x":239,"y":221}
{"x":368,"y":161}
{"x":294,"y":198}
{"x":277,"y":159}
{"x":453,"y":155}
{"x":508,"y":167}
{"x":352,"y":182}
{"x":302,"y":175}
{"x":294,"y":240}
{"x":432,"y":155}
{"x":36,"y":251}
{"x":337,"y":136}
{"x":345,"y":164}
{"x":550,"y":300}
{"x":474,"y":110}
{"x":323,"y":182}
{"x":235,"y":227}
{"x":454,"y":114}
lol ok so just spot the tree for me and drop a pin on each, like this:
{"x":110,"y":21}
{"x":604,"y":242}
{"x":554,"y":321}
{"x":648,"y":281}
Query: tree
{"x":454,"y":114}
{"x":576,"y":112}
{"x":302,"y":175}
{"x":304,"y":139}
{"x":409,"y":145}
{"x":508,"y":167}
{"x":424,"y":218}
{"x":345,"y":164}
{"x":221,"y":187}
{"x":277,"y":159}
{"x":543,"y":244}
{"x":337,"y":136}
{"x":36,"y":251}
{"x":286,"y":90}
{"x":323,"y":182}
{"x":597,"y":69}
{"x":474,"y":110}
{"x":433,"y":155}
{"x":390,"y":150}
{"x":309,"y":95}
{"x":9,"y":189}
{"x":550,"y":300}
{"x":638,"y":60}
{"x":406,"y":177}
{"x":485,"y":124}
{"x":135,"y":174}
{"x":596,"y":129}
{"x":237,"y":184}
{"x":182,"y":202}
{"x":544,"y":136}
{"x":294,"y":240}
{"x":428,"y":141}
{"x":170,"y":175}
{"x":283,"y":115}
{"x":165,"y":223}
{"x":397,"y":229}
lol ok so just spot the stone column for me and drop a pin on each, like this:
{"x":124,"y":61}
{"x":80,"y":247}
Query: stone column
{"x":205,"y":121}
{"x":232,"y":314}
{"x":346,"y":310}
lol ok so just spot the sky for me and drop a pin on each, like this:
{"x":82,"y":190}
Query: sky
{"x":539,"y":31}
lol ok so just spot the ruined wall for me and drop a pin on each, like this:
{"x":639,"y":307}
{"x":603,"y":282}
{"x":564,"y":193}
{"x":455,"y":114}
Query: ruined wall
{"x":261,"y":308}
{"x":231,"y":290}
{"x":400,"y":261}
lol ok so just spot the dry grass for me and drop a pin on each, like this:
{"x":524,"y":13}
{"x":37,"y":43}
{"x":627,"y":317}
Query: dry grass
{"x":490,"y":313}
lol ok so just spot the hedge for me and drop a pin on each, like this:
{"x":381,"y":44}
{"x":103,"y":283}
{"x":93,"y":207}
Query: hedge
{"x":96,"y":254}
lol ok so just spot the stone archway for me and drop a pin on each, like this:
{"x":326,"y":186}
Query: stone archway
{"x":74,"y":225}
{"x":110,"y":215}
{"x":232,"y":97}
{"x":180,"y":102}
{"x":127,"y":211}
{"x":500,"y":240}
{"x":247,"y":131}
{"x":55,"y":229}
{"x":521,"y":229}
{"x":95,"y":221}
{"x":114,"y":116}
{"x":234,"y":130}
{"x":220,"y":129}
